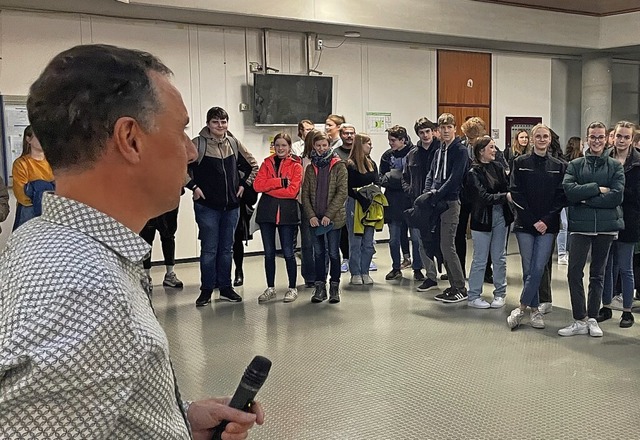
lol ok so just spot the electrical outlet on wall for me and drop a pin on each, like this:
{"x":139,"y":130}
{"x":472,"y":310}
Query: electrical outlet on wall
{"x":244,"y":107}
{"x":318,"y":44}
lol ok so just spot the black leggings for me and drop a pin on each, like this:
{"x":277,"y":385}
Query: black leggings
{"x":166,"y":225}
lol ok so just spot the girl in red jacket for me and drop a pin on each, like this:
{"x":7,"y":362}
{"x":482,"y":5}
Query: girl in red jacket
{"x":279,"y":179}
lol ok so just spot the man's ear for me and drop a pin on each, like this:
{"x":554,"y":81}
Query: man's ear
{"x":128,"y":139}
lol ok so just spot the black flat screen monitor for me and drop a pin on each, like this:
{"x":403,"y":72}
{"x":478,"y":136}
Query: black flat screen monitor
{"x":288,"y":99}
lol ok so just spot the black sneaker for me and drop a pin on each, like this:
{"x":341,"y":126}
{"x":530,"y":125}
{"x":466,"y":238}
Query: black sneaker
{"x":204,"y":298}
{"x":627,"y":320}
{"x":456,"y":295}
{"x":441,"y":296}
{"x":488,"y":278}
{"x":395,"y":274}
{"x":228,"y":294}
{"x":604,"y":314}
{"x":417,"y":275}
{"x":444,"y":277}
{"x":426,"y":285}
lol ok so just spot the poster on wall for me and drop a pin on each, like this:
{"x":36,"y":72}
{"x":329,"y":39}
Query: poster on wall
{"x":377,"y":122}
{"x":14,"y":120}
{"x":514,"y":124}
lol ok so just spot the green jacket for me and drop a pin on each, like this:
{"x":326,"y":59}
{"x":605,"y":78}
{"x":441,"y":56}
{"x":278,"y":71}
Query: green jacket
{"x":337,"y":192}
{"x":589,"y":209}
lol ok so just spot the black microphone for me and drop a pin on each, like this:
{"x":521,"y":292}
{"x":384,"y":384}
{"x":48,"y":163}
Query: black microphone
{"x":251,"y":382}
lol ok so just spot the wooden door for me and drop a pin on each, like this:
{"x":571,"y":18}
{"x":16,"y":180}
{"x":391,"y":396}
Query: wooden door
{"x":464,"y":85}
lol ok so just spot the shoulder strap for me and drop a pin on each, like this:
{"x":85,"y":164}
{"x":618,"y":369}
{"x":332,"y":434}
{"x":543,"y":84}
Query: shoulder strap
{"x":234,"y":144}
{"x":202,"y":147}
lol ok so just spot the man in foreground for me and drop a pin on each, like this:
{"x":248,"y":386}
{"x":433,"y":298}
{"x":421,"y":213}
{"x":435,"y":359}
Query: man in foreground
{"x":81,"y":352}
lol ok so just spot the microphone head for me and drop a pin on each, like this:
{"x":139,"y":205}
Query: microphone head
{"x":256,"y":373}
{"x":260,"y":364}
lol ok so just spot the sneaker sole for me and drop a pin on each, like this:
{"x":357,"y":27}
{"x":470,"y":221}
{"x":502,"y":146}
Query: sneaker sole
{"x":175,"y":286}
{"x":203,"y":304}
{"x":538,"y":326}
{"x":289,"y":300}
{"x":262,"y":301}
{"x":427,"y":289}
{"x":224,"y":298}
{"x":479,"y":307}
{"x":455,"y":300}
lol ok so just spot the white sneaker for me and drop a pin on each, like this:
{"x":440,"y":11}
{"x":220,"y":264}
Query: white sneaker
{"x":478,"y":303}
{"x":515,"y":318}
{"x":594,"y":328}
{"x":356,"y":280}
{"x":344,"y":267}
{"x":366,"y":279}
{"x":498,"y":302}
{"x":563,"y":260}
{"x":291,"y":295}
{"x":575,"y":328}
{"x":537,"y":320}
{"x":545,"y":308}
{"x":268,"y":294}
{"x":616,"y":303}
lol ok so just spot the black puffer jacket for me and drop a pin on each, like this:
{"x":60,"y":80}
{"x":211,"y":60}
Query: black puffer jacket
{"x":487,"y":186}
{"x":631,"y":201}
{"x":417,"y":167}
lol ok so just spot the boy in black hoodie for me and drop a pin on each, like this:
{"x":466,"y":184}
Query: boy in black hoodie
{"x":443,"y":183}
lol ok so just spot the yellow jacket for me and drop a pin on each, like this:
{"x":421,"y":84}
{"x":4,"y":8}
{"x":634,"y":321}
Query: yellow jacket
{"x":374,"y":216}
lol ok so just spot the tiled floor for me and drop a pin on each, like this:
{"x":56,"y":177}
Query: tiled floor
{"x":391,"y":363}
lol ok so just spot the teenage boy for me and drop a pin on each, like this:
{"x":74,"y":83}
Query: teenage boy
{"x":414,"y":175}
{"x":443,"y":184}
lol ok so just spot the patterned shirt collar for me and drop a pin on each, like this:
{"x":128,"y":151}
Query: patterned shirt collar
{"x":95,"y":224}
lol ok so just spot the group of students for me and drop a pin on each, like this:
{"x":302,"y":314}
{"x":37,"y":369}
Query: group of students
{"x":435,"y":189}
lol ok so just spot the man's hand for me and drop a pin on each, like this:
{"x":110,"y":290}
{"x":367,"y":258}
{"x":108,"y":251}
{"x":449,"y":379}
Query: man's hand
{"x":603,"y":189}
{"x":325,"y":221}
{"x":197,"y":194}
{"x":313,"y":221}
{"x":240,"y":191}
{"x":509,"y":198}
{"x":205,"y":415}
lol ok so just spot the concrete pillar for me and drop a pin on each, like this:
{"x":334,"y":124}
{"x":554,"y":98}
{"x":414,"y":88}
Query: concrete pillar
{"x":596,"y":89}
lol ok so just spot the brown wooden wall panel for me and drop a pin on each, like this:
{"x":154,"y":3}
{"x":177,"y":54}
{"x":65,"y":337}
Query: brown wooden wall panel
{"x":461,"y":114}
{"x":464,"y":78}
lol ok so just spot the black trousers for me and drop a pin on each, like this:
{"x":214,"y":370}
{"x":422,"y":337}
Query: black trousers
{"x":166,"y":225}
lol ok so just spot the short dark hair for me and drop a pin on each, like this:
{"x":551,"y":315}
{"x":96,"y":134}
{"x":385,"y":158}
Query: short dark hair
{"x":217,"y":113}
{"x":74,"y":104}
{"x":398,"y":132}
{"x":423,"y":123}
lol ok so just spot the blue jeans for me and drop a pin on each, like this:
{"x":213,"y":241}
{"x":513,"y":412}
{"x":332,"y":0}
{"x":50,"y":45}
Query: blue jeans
{"x":398,"y":231}
{"x":535,"y":251}
{"x":215,"y":232}
{"x":286,"y":233}
{"x":329,"y":242}
{"x":495,"y":242}
{"x":360,"y":245}
{"x":562,"y":235}
{"x":620,"y":262}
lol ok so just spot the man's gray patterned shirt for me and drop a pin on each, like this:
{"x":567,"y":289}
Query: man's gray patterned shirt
{"x":82,"y":354}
